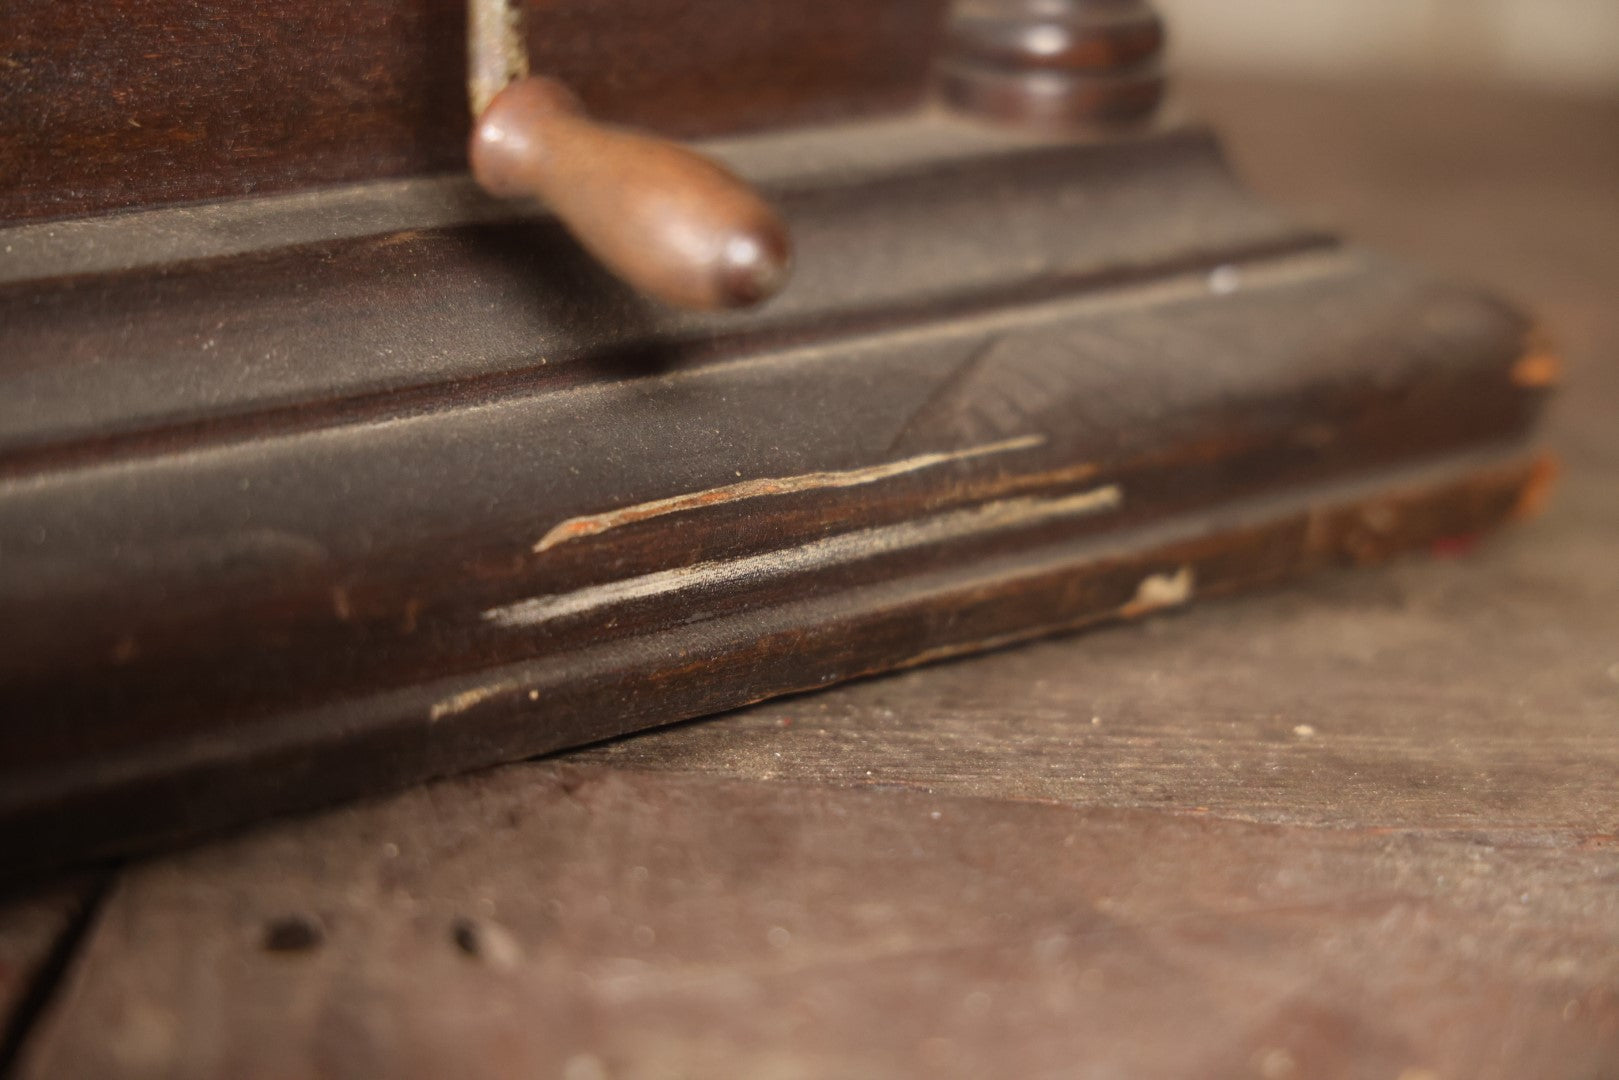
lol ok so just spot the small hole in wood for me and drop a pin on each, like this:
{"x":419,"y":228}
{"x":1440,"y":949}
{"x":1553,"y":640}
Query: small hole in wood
{"x":465,"y":934}
{"x":294,"y":933}
{"x":487,"y":942}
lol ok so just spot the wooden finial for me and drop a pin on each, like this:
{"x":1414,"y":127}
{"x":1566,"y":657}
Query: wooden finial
{"x":1055,"y":63}
{"x":668,"y":221}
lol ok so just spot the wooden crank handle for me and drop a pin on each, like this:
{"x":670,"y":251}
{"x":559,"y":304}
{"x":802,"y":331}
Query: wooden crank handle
{"x":666,"y":220}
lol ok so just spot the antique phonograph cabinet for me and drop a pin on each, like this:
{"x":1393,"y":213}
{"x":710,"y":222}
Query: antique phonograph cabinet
{"x":395,"y":387}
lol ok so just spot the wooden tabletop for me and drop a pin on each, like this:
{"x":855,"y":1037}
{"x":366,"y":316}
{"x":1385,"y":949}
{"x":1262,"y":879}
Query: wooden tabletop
{"x":1364,"y":827}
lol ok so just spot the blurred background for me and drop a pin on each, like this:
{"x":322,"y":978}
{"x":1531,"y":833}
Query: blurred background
{"x":1557,"y":44}
{"x":1479,"y":138}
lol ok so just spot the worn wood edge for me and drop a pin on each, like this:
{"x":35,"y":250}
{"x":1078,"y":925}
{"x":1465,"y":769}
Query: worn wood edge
{"x":307,"y":759}
{"x":1266,"y":263}
{"x":419,"y":616}
{"x":116,"y":242}
{"x":575,"y":314}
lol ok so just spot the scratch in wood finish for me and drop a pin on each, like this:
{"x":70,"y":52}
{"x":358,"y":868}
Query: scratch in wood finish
{"x":595,"y":524}
{"x":1159,"y":591}
{"x":460,"y":703}
{"x":932,"y":411}
{"x":863,"y":544}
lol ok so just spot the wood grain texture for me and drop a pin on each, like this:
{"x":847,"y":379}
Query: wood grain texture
{"x":155,"y":101}
{"x":585,"y":921}
{"x":1422,"y":886}
{"x":288,"y":524}
{"x":1475,"y":691}
{"x":1472,"y":697}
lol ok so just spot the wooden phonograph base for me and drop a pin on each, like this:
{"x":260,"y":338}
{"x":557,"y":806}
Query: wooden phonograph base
{"x":315,"y":494}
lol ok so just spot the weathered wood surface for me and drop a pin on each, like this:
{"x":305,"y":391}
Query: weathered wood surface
{"x":320,"y":520}
{"x":1459,"y":694}
{"x":1473,"y":696}
{"x":1364,"y":827}
{"x":585,"y":921}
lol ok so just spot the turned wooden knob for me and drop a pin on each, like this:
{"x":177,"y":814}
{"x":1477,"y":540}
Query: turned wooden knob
{"x":1054,"y":63}
{"x":666,"y":220}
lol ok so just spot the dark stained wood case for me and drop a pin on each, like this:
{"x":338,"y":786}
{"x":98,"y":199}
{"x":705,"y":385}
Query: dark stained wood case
{"x":150,"y":101}
{"x":314,"y":495}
